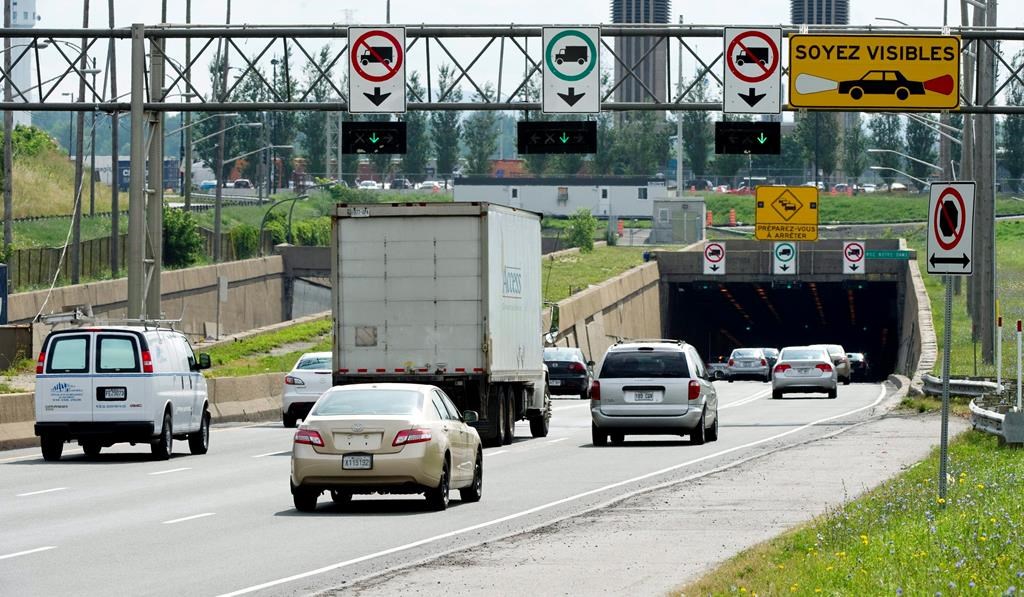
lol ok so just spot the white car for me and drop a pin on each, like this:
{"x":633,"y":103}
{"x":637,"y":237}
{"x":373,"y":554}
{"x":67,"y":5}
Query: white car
{"x":102,"y":385}
{"x":308,"y":379}
{"x":869,"y":187}
{"x":431,"y":185}
{"x":368,"y":185}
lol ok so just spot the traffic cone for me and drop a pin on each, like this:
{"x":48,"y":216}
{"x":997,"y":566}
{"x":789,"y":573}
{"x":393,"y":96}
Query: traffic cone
{"x":732,"y":217}
{"x":710,"y":213}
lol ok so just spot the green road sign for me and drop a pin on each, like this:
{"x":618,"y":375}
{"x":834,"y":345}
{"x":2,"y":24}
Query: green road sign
{"x":877,"y":254}
{"x":551,"y":50}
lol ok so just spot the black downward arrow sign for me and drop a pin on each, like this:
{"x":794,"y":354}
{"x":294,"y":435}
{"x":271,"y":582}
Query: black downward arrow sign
{"x":751,"y":97}
{"x":853,"y":266}
{"x":571,"y":98}
{"x":784,"y":267}
{"x":377,"y":97}
{"x":714,"y":268}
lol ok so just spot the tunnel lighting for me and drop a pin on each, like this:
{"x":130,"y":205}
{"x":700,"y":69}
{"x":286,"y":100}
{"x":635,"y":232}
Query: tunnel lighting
{"x":767,"y":302}
{"x":853,"y":308}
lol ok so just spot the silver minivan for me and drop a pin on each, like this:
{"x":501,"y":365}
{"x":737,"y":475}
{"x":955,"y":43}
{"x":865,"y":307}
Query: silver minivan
{"x":653,"y":387}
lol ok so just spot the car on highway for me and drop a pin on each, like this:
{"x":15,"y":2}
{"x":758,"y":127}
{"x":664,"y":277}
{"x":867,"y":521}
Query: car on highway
{"x":386,"y":438}
{"x":859,"y":367}
{"x":772,"y":355}
{"x":747,"y":363}
{"x":569,"y":372}
{"x":400,"y":184}
{"x":243,"y":183}
{"x":716,"y":369}
{"x":653,"y":387}
{"x":804,"y":369}
{"x":839,"y":360}
{"x":308,"y":379}
{"x":869,"y":187}
{"x":367,"y":185}
{"x":207,"y":185}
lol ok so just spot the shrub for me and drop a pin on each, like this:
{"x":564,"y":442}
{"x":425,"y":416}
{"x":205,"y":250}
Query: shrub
{"x":182,"y":244}
{"x":581,"y":229}
{"x":245,"y":239}
{"x":315,"y":232}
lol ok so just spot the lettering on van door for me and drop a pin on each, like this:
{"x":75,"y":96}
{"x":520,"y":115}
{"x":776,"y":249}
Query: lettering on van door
{"x":512,"y":283}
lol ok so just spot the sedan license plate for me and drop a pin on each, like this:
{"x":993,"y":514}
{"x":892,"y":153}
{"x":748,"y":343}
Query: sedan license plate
{"x":555,"y":382}
{"x":357,"y":462}
{"x":646,"y":396}
{"x":804,"y":371}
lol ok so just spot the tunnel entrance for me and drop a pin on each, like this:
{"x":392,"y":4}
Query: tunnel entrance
{"x":717,"y":317}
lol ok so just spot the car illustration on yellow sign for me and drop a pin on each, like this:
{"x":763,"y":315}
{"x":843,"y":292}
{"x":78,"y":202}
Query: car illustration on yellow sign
{"x":918,"y":72}
{"x":786,"y":213}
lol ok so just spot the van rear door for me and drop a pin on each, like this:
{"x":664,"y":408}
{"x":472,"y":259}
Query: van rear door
{"x":64,"y":387}
{"x":120,"y":387}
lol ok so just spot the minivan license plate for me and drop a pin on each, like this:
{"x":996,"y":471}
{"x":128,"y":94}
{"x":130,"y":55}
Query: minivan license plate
{"x":644,"y":397}
{"x":356,"y":462}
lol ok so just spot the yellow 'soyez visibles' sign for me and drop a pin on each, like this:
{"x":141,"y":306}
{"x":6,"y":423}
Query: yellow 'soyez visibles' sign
{"x":918,"y":72}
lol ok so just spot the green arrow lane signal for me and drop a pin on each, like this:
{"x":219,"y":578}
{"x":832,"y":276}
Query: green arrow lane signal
{"x":564,"y":138}
{"x":761,"y":139}
{"x":374,"y":138}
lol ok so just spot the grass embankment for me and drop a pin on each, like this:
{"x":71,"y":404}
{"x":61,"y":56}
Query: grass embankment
{"x":898,"y":539}
{"x":268,"y":352}
{"x":43,"y":186}
{"x":566,"y":275}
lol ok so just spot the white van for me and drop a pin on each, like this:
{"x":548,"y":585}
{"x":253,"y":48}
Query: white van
{"x":101,"y":385}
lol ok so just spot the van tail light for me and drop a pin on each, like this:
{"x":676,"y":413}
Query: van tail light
{"x":577,"y":368}
{"x":595,"y":390}
{"x":40,"y":361}
{"x":781,"y":367}
{"x":764,"y":362}
{"x":309,"y":437}
{"x":732,"y":363}
{"x":412,"y":436}
{"x":291,"y":380}
{"x":694,"y":390}
{"x":147,"y":362}
{"x":825,"y":367}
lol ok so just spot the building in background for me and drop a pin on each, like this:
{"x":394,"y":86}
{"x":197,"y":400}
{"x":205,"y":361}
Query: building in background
{"x":653,"y":71}
{"x":820,"y":12}
{"x":23,"y":16}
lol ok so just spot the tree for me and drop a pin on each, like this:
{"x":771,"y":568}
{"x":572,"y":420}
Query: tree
{"x":697,"y":130}
{"x":480,"y":133}
{"x":238,"y":139}
{"x":1013,"y":129}
{"x":642,"y":144}
{"x":283,"y":124}
{"x":817,"y":133}
{"x":854,"y":156}
{"x":921,"y":145}
{"x":536,"y":163}
{"x":417,"y":146}
{"x":446,"y":125}
{"x":956,"y":120}
{"x":182,"y":245}
{"x":313,"y":124}
{"x":582,"y":225}
{"x":604,"y":159}
{"x":730,"y":164}
{"x":886,"y":133}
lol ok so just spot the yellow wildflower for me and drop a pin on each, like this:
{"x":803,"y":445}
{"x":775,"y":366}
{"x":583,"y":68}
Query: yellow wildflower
{"x":864,"y":539}
{"x":941,"y":500}
{"x":981,"y":486}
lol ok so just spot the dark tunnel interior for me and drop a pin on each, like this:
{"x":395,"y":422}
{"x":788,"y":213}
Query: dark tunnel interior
{"x":718,"y":317}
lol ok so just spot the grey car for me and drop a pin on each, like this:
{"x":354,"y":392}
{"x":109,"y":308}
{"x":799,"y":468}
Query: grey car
{"x":653,"y":387}
{"x":804,"y":369}
{"x":747,"y":363}
{"x":839,"y":360}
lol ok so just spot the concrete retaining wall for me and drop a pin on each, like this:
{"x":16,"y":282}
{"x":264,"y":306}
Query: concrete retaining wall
{"x":17,"y":416}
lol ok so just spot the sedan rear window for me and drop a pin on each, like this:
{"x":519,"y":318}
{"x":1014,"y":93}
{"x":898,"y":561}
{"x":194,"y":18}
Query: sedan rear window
{"x":309,"y":363}
{"x":803,"y":354}
{"x":746,"y":353}
{"x":644,"y":364}
{"x":561,"y":354}
{"x":368,"y":402}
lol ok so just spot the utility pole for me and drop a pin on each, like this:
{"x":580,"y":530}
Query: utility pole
{"x":115,"y":169}
{"x":76,"y":223}
{"x":985,"y":168}
{"x":8,"y":133}
{"x":220,"y":148}
{"x":967,"y":154}
{"x":187,"y":166}
{"x":679,"y":127}
{"x":92,"y":147}
{"x":155,"y":192}
{"x":136,"y":213}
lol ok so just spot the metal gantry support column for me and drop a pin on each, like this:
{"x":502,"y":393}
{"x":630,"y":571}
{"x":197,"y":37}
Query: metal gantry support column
{"x":155,"y":193}
{"x":187,"y":166}
{"x":115,"y":169}
{"x":985,"y":174}
{"x":8,"y":144}
{"x":76,"y":219}
{"x":137,"y":178}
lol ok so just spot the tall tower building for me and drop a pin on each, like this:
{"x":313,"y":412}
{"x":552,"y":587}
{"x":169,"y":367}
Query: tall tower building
{"x":653,"y":70}
{"x":820,"y":12}
{"x":23,"y":16}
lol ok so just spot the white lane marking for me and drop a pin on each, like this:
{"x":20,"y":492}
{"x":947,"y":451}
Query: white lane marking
{"x":239,"y":427}
{"x":495,"y":453}
{"x":30,"y":551}
{"x":271,"y":454}
{"x":41,"y":492}
{"x":558,"y":408}
{"x":35,"y":456}
{"x":177,"y":520}
{"x":535,"y":509}
{"x":555,"y":441}
{"x":746,"y":400}
{"x":173,"y":470}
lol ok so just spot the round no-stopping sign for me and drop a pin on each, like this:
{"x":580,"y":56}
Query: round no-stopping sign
{"x":942,"y":215}
{"x":714,"y":252}
{"x":391,"y":65}
{"x":767,"y":68}
{"x":591,"y":59}
{"x":854,"y":252}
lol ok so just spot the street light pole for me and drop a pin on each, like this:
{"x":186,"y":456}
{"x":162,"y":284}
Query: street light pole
{"x":115,"y":168}
{"x":8,"y":132}
{"x":92,"y":147}
{"x":220,"y":149}
{"x":187,"y":166}
{"x":76,"y":222}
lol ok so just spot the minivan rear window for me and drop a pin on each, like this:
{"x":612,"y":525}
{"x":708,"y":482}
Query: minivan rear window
{"x":116,"y":354}
{"x":644,"y":364}
{"x":69,"y":355}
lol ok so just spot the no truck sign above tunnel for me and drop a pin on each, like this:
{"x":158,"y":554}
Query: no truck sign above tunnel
{"x":904,"y":73}
{"x":376,"y":70}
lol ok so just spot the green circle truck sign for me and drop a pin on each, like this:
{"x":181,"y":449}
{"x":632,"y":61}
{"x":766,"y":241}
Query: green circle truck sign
{"x":551,"y":55}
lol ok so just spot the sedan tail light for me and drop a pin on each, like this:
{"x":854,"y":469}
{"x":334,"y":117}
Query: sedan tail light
{"x":731,"y":362}
{"x":291,"y":380}
{"x":825,"y":367}
{"x":764,"y":362}
{"x":577,"y":368}
{"x":412,"y":436}
{"x":782,"y":367}
{"x":309,"y":437}
{"x":595,"y":390}
{"x":694,"y":390}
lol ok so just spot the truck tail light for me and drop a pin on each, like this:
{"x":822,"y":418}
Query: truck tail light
{"x":309,"y":437}
{"x":825,"y":367}
{"x":412,"y":436}
{"x":595,"y":390}
{"x":40,"y":361}
{"x":291,"y":380}
{"x":694,"y":390}
{"x":782,"y":367}
{"x":147,"y":362}
{"x":577,"y":368}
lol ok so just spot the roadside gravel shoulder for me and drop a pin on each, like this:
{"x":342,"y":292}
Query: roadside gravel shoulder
{"x":650,"y":543}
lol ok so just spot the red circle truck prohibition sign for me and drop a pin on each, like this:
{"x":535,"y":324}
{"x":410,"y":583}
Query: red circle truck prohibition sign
{"x":390,"y":65}
{"x":714,"y":252}
{"x":766,"y":69}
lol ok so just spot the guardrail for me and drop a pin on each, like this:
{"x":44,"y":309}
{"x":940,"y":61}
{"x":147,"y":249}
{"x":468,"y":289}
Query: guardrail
{"x":932,"y":386}
{"x":1008,"y":426}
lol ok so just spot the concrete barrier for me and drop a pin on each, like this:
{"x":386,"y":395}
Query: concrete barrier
{"x":17,"y":417}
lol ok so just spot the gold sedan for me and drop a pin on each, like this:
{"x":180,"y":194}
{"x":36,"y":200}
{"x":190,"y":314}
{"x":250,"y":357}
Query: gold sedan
{"x":386,"y":438}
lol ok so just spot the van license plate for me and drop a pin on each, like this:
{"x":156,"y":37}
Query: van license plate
{"x":115,"y":393}
{"x":352,"y":462}
{"x":645,"y":397}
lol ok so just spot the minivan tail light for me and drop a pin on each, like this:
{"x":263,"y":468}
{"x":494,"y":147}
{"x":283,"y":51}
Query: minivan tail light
{"x":694,"y":390}
{"x":147,"y":362}
{"x":309,"y":437}
{"x":577,"y":367}
{"x":825,"y":367}
{"x":782,"y":367}
{"x":412,"y":436}
{"x":40,"y":361}
{"x":291,"y":380}
{"x":595,"y":390}
{"x":732,"y":362}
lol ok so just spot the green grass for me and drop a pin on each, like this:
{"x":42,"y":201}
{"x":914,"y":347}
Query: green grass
{"x":898,"y":539}
{"x":566,"y":275}
{"x":255,"y":364}
{"x":248,"y":354}
{"x":958,"y":405}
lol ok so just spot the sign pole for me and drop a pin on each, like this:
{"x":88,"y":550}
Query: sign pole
{"x":1018,"y":364}
{"x":999,"y":355}
{"x":947,"y":336}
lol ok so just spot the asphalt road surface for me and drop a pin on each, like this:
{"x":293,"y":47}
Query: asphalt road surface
{"x":223,"y":523}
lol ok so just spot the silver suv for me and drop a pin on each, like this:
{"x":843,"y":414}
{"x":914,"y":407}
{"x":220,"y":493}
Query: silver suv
{"x":653,"y":387}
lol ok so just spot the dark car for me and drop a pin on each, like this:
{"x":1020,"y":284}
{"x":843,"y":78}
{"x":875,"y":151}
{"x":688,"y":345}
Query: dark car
{"x":568,"y":371}
{"x":400,"y":183}
{"x":882,"y":82}
{"x":772,"y":354}
{"x":859,"y":368}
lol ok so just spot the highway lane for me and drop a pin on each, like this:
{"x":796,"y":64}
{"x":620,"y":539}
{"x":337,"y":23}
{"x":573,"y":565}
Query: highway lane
{"x":223,"y":523}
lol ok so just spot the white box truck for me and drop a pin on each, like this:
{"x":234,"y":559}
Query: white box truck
{"x":446,"y":294}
